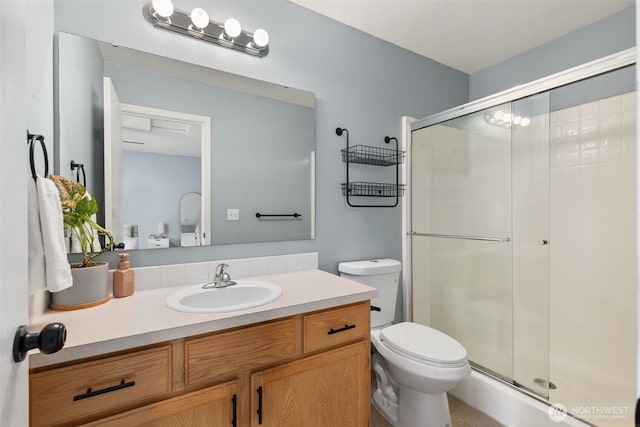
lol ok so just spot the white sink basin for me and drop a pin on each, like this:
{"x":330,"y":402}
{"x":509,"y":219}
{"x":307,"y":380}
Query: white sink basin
{"x":245,"y":294}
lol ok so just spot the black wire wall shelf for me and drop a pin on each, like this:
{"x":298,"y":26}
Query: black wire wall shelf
{"x":367,"y":155}
{"x":372,"y":189}
{"x":375,"y":156}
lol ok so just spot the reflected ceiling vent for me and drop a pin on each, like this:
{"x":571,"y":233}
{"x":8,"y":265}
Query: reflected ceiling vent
{"x":142,"y":124}
{"x":151,"y":124}
{"x":170,"y":126}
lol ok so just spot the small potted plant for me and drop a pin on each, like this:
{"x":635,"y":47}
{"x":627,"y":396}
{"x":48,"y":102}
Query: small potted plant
{"x":90,"y":278}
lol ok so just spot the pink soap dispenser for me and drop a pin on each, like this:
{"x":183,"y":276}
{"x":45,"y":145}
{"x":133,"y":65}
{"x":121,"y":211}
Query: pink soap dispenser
{"x":124,"y":278}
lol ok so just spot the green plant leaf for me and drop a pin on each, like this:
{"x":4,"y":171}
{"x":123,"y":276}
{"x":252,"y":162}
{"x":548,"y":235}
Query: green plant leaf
{"x":77,"y":210}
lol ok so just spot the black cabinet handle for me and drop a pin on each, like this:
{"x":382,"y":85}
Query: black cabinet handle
{"x":345,"y":328}
{"x":259,"y":411}
{"x":375,"y":308}
{"x":92,"y":393}
{"x":234,"y":402}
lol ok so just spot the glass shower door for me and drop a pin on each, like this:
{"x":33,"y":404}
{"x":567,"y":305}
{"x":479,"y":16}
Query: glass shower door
{"x":523,"y":241}
{"x":461,"y":234}
{"x":530,"y":181}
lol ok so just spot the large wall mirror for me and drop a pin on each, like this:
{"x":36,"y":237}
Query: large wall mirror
{"x":182,"y":155}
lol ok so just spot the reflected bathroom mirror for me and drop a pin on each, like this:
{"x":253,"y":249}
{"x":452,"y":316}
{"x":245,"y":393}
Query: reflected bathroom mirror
{"x":151,"y":130}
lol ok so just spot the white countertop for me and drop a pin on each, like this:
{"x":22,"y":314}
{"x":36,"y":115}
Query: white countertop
{"x":144,"y":319}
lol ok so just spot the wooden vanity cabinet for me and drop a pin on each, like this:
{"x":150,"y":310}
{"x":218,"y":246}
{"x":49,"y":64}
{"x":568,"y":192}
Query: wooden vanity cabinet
{"x":305,"y":370}
{"x":326,"y":390}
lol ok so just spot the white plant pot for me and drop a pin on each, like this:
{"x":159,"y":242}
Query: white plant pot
{"x":90,"y":288}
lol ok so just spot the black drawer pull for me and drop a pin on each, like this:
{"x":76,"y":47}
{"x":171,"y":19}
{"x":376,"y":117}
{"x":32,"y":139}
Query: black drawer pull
{"x":91,"y":393}
{"x":335,"y":331}
{"x":259,"y":411}
{"x":375,"y":308}
{"x":234,"y":401}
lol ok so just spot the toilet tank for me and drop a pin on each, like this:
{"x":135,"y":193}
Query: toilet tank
{"x":382,"y":274}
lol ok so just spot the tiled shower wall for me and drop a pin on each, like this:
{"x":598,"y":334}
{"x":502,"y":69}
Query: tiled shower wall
{"x":593,"y":257}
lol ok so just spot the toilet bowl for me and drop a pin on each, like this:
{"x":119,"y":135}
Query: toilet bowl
{"x":414,"y":364}
{"x":419,"y":376}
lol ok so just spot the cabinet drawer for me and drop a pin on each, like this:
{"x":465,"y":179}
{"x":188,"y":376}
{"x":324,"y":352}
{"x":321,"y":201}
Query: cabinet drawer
{"x":228,"y":353}
{"x":336,"y":326}
{"x":98,"y":387}
{"x":212,"y":406}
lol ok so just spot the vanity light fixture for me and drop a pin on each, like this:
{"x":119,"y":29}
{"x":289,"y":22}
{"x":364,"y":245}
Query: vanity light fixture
{"x":199,"y":19}
{"x":163,"y":8}
{"x":162,"y":15}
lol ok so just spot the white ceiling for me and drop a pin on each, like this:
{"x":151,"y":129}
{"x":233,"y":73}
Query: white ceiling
{"x":468,"y":35}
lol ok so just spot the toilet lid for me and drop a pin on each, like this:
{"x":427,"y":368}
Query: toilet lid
{"x":424,"y":344}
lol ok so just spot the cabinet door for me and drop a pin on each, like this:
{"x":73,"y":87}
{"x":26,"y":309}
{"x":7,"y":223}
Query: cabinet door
{"x":329,"y":389}
{"x":212,"y":406}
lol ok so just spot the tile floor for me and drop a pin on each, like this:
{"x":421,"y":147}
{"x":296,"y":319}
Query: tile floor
{"x":462,"y":415}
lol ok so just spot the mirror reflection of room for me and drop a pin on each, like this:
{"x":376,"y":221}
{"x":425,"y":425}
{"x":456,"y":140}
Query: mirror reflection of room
{"x":172,"y":128}
{"x":161,"y":162}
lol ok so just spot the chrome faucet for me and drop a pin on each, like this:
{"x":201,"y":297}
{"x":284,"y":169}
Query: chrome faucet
{"x":222,"y":279}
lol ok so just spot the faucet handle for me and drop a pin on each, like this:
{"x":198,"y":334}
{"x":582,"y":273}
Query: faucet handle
{"x":220,"y":269}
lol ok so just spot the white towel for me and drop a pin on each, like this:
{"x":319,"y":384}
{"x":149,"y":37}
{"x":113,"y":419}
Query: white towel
{"x":36,"y":249}
{"x":57,"y":271}
{"x":75,"y":243}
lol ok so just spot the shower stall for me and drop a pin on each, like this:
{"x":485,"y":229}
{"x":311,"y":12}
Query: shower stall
{"x":521,"y":236}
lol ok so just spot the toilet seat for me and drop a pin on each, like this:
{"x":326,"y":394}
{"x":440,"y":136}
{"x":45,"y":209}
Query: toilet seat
{"x":424,"y":345}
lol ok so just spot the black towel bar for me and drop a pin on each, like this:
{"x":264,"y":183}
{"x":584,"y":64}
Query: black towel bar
{"x":295,"y":215}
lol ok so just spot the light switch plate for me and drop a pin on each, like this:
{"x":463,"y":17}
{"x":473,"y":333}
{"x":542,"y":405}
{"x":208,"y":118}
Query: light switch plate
{"x":233,"y":214}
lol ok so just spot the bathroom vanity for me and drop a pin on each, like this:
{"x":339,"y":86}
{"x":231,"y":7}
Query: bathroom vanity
{"x":300,"y":360}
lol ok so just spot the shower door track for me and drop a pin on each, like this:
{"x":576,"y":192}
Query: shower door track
{"x":590,"y":69}
{"x":510,"y":382}
{"x":455,"y":236}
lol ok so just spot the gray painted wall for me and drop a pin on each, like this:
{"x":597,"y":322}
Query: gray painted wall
{"x":361,"y":83}
{"x":605,"y":37}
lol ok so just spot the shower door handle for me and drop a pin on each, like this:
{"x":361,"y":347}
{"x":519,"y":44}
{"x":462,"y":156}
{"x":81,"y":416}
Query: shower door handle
{"x":454,"y":236}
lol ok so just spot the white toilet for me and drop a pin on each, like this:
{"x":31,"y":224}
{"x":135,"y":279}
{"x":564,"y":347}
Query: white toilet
{"x":415,"y":365}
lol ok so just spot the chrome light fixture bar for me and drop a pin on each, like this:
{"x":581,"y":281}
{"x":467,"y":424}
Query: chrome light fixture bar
{"x":197,"y":25}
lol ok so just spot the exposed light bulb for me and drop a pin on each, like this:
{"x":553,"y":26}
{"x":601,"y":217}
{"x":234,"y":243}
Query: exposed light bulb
{"x":199,"y":18}
{"x":498,"y":114}
{"x":261,"y":38}
{"x":507,"y":118}
{"x":232,"y":28}
{"x":525,"y":122}
{"x":163,"y":8}
{"x":516,"y":120}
